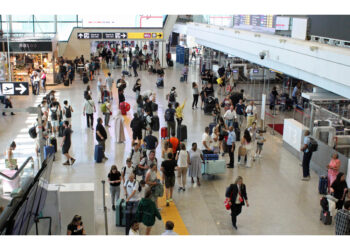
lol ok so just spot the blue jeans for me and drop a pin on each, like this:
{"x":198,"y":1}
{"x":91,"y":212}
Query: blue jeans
{"x":229,"y":123}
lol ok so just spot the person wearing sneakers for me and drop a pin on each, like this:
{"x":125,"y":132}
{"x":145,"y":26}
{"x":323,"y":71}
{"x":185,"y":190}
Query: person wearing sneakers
{"x":168,"y":169}
{"x":109,"y":83}
{"x":101,"y":136}
{"x":114,"y":179}
{"x":306,"y":157}
{"x":66,"y":143}
{"x":127,"y":170}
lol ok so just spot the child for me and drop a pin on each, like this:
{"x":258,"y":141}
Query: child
{"x":259,"y":144}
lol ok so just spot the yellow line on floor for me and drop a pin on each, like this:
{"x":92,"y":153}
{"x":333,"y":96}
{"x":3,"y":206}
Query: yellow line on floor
{"x":167,"y":213}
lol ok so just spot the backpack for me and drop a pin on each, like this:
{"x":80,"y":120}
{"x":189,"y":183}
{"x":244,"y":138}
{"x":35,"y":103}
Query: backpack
{"x":144,"y":122}
{"x":104,"y":108}
{"x":172,"y":97}
{"x":134,"y":88}
{"x":68,"y":112}
{"x":167,"y":115}
{"x":54,"y":116}
{"x":312,"y":146}
{"x":32,"y":132}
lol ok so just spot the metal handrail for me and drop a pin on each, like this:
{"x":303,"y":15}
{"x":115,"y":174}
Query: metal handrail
{"x":18,"y":171}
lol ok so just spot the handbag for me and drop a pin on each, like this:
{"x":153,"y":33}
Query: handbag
{"x":227,"y":202}
{"x":242,"y":151}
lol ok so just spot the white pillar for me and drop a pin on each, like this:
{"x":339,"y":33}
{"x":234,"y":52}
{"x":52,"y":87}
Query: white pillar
{"x":162,"y":54}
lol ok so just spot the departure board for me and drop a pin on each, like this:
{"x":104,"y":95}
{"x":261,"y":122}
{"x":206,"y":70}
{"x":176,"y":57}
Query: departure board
{"x":255,"y":22}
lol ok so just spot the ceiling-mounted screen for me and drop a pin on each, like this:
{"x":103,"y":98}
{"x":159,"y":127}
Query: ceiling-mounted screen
{"x":282,"y":23}
{"x":136,"y":21}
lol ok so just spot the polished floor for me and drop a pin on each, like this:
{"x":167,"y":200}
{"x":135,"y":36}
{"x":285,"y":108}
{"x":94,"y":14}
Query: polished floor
{"x":280,"y":203}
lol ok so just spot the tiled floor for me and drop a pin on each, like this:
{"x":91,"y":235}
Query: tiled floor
{"x":280,"y":203}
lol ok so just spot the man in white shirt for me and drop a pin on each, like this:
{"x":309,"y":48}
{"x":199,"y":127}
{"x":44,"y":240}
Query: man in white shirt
{"x":251,"y":114}
{"x":230,"y":116}
{"x":169,"y":226}
{"x":131,"y":188}
{"x":127,"y":170}
{"x":206,"y":140}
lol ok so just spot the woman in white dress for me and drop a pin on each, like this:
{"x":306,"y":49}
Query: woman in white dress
{"x":195,"y":167}
{"x":119,"y":127}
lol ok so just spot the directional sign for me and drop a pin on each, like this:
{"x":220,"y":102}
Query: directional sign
{"x":109,"y":35}
{"x":141,"y":35}
{"x":14,"y":88}
{"x":89,"y":35}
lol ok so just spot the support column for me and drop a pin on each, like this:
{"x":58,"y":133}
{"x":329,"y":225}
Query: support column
{"x":162,"y":54}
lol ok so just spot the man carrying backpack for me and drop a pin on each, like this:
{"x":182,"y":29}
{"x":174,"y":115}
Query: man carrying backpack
{"x":67,"y":112}
{"x":169,"y":118}
{"x":136,"y":126}
{"x":307,"y":156}
{"x":54,"y":115}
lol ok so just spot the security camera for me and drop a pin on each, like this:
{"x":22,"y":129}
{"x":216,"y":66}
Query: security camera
{"x":262,"y":55}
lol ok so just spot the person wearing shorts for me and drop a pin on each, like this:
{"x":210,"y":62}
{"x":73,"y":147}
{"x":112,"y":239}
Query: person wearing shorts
{"x":66,"y":143}
{"x":259,"y":144}
{"x":168,"y":169}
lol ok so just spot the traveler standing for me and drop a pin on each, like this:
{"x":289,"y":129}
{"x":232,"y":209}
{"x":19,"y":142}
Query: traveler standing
{"x":43,"y":81}
{"x":339,"y":188}
{"x":101,"y":136}
{"x":114,"y":179}
{"x":11,"y":162}
{"x":183,"y":159}
{"x":168,"y":169}
{"x":67,"y":112}
{"x":151,"y":142}
{"x":146,"y":162}
{"x":151,"y":181}
{"x":106,"y":109}
{"x":195,"y":166}
{"x":127,"y":170}
{"x":131,"y":190}
{"x":109,"y":83}
{"x":333,"y":169}
{"x":147,"y":212}
{"x":342,"y":220}
{"x":206,"y":141}
{"x":237,"y":195}
{"x":167,"y":148}
{"x":240,"y":111}
{"x":134,"y":65}
{"x":195,"y":92}
{"x":306,"y":157}
{"x":119,"y":127}
{"x":174,"y":141}
{"x":185,"y":73}
{"x":230,"y":116}
{"x":137,"y":88}
{"x":136,"y":126}
{"x":169,"y":118}
{"x":231,"y":139}
{"x":89,"y":109}
{"x":55,"y":111}
{"x":179,"y":112}
{"x":76,"y":226}
{"x":251,"y":114}
{"x":66,"y":143}
{"x":246,"y":142}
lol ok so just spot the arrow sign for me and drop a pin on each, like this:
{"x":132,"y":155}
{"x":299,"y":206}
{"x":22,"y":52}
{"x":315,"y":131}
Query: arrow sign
{"x":80,"y":35}
{"x":123,"y":35}
{"x":14,"y":88}
{"x":21,"y":88}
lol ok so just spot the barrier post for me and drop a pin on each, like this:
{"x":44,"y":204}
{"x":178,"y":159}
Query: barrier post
{"x":104,"y":206}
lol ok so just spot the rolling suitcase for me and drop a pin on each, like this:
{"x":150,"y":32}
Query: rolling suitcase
{"x":238,"y":134}
{"x":182,"y":132}
{"x":66,"y":82}
{"x":155,"y":123}
{"x":120,"y":218}
{"x":154,"y":107}
{"x":326,"y":217}
{"x":323,"y":185}
{"x":214,"y":167}
{"x":182,"y":79}
{"x":171,"y":63}
{"x":130,"y":214}
{"x":48,"y":150}
{"x":85,"y":79}
{"x":98,"y":153}
{"x":164,"y":132}
{"x":211,"y":127}
{"x":60,"y":131}
{"x":208,"y":157}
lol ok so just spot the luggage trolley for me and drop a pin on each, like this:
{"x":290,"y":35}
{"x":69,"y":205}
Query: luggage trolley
{"x":212,"y":165}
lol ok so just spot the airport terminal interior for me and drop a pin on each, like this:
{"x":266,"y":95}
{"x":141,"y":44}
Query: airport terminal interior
{"x":271,"y":126}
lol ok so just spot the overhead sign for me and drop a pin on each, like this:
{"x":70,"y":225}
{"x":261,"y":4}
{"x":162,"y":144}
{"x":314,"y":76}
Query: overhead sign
{"x":27,"y":46}
{"x":89,"y":35}
{"x":145,"y":35}
{"x":14,"y":88}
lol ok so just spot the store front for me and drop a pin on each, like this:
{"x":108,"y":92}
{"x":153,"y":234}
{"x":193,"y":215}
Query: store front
{"x":28,"y":56}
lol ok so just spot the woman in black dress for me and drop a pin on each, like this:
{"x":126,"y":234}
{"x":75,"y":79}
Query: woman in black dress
{"x":339,"y":189}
